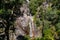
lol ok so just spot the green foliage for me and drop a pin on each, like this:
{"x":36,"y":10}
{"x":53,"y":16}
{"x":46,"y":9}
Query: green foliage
{"x":1,"y":11}
{"x":48,"y":35}
{"x":38,"y":22}
{"x":51,"y":16}
{"x":58,"y":26}
{"x":34,"y":4}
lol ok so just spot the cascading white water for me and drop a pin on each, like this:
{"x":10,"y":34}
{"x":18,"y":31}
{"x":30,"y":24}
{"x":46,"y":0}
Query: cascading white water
{"x":27,"y":1}
{"x":30,"y":25}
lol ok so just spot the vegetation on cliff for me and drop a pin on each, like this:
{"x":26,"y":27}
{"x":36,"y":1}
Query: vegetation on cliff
{"x":46,"y":15}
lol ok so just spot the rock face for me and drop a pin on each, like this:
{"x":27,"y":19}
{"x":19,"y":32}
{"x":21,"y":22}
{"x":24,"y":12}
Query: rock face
{"x":24,"y":24}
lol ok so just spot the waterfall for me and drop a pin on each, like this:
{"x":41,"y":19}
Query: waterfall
{"x":27,"y":1}
{"x":30,"y":25}
{"x":24,"y":24}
